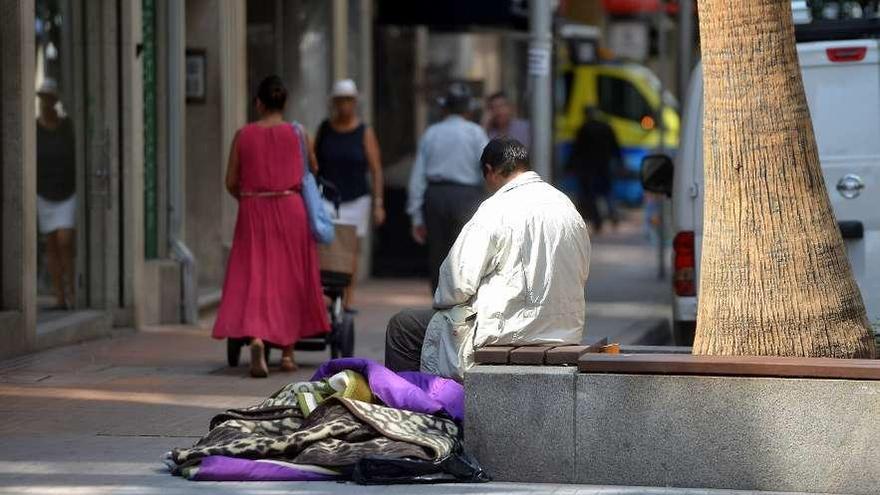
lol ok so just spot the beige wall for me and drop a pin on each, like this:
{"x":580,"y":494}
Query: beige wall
{"x":132,"y":120}
{"x":18,"y":194}
{"x":235,"y":95}
{"x":204,"y":163}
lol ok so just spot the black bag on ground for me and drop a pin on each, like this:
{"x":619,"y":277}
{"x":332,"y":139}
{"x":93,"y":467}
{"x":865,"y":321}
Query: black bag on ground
{"x":458,"y":467}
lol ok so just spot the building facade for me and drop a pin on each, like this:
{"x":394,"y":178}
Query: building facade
{"x":152,"y":92}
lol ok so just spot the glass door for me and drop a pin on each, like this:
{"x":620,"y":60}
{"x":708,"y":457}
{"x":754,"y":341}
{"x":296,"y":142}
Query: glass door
{"x":76,"y":76}
{"x":58,"y":204}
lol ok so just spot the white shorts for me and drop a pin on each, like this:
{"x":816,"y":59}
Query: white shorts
{"x":355,"y":212}
{"x":56,"y":215}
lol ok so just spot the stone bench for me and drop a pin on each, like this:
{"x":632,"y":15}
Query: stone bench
{"x":782,"y":424}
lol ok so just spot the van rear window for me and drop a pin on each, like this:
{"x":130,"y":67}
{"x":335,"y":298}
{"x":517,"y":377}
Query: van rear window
{"x":836,"y":10}
{"x":844,"y":101}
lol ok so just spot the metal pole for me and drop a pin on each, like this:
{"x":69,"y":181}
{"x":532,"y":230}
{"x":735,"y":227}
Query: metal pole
{"x":340,"y":39}
{"x":540,"y":52}
{"x":366,"y":59}
{"x":661,"y":126}
{"x":685,"y":45}
{"x":420,"y":109}
{"x":176,"y":193}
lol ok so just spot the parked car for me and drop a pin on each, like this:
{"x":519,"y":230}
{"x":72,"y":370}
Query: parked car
{"x":842,"y":82}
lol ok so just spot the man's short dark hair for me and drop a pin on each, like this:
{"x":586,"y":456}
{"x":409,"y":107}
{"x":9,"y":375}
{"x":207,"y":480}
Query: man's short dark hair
{"x":505,"y":155}
{"x":457,"y":98}
{"x":495,"y":96}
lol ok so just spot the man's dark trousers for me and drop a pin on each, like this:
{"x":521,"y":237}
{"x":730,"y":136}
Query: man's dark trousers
{"x":404,"y":338}
{"x":448,"y":207}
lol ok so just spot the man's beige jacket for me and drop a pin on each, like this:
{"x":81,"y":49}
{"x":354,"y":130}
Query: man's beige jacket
{"x":516,"y":275}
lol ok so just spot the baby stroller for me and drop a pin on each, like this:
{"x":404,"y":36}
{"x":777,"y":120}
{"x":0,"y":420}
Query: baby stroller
{"x":337,"y":261}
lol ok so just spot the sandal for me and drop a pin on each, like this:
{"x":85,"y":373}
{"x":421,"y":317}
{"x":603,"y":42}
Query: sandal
{"x":259,"y":368}
{"x":287,"y":364}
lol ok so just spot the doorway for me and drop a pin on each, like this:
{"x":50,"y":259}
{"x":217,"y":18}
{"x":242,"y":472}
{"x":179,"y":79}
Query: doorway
{"x":78,"y":194}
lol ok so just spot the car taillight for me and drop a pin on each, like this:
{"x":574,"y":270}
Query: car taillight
{"x":847,"y":54}
{"x":683,"y":263}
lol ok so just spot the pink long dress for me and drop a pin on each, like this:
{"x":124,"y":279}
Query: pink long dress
{"x":273,"y":287}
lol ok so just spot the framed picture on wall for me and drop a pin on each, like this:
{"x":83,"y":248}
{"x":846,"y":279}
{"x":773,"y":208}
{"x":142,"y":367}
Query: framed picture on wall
{"x":195,"y":75}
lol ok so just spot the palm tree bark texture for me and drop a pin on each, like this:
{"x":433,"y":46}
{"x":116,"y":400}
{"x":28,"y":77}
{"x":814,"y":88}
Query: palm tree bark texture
{"x":775,"y":278}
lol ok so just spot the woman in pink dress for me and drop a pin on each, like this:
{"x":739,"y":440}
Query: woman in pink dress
{"x":272,"y":293}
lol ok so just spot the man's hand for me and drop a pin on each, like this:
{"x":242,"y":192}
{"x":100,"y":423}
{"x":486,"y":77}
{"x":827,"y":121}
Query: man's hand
{"x":419,"y":233}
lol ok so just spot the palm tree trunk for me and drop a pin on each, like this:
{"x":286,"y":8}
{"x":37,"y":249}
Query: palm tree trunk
{"x":775,"y":278}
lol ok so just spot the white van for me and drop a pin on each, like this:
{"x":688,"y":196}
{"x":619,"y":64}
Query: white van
{"x":842,"y":82}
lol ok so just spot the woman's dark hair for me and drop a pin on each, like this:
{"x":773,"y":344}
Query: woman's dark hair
{"x":272,"y":93}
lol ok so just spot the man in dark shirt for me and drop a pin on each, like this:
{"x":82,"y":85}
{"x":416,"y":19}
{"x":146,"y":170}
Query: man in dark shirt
{"x":595,"y":154}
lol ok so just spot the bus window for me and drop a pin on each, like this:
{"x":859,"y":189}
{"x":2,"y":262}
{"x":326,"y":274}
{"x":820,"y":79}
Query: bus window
{"x":620,"y":98}
{"x":563,"y":91}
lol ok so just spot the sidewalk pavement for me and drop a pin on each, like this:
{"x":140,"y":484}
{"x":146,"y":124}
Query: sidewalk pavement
{"x":626,"y":301}
{"x":96,"y":417}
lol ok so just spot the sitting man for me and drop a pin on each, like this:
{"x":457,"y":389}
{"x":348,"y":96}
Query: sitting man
{"x":515,"y":275}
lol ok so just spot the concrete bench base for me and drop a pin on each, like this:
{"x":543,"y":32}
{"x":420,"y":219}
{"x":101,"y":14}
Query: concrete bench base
{"x":552,"y":424}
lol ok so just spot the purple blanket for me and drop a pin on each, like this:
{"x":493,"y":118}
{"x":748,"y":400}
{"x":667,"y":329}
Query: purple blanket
{"x":408,"y":390}
{"x":223,"y":468}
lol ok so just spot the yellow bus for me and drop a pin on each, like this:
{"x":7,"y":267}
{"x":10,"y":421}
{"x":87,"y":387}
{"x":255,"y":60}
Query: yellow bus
{"x":629,"y":97}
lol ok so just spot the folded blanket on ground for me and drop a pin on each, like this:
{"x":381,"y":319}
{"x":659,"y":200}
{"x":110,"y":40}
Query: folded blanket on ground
{"x":409,"y":390}
{"x":329,"y":437}
{"x":347,"y":383}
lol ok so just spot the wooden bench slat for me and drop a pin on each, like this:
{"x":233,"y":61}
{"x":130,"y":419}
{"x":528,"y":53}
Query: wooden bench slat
{"x":529,"y":355}
{"x":493,"y":354}
{"x":569,"y":354}
{"x":768,"y":366}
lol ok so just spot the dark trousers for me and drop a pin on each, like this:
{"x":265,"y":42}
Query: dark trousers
{"x":447,"y":208}
{"x":404,"y":338}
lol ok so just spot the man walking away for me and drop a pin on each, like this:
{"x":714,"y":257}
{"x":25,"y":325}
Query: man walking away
{"x":446,"y":185}
{"x":595,"y":153}
{"x":515,"y":275}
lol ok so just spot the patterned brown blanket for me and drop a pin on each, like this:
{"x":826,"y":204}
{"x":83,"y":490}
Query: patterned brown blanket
{"x":336,"y":434}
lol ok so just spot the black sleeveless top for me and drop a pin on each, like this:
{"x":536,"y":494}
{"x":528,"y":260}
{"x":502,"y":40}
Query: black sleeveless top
{"x":342,"y":160}
{"x":56,"y":161}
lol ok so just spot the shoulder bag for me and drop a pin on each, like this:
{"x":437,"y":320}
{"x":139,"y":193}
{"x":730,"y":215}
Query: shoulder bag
{"x":320,"y":222}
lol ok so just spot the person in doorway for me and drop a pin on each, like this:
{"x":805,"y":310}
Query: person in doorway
{"x":446,"y":186}
{"x":515,"y":276}
{"x":346,"y":149}
{"x":502,"y":120}
{"x":272,"y":292}
{"x":56,"y":192}
{"x":595,"y":155}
